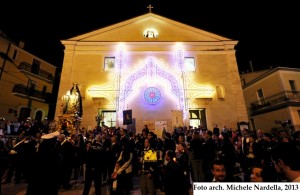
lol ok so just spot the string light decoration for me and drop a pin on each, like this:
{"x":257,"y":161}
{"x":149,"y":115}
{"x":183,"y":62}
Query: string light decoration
{"x":152,"y":95}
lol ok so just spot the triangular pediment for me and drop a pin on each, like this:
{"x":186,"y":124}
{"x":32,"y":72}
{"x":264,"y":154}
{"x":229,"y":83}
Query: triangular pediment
{"x":133,"y":30}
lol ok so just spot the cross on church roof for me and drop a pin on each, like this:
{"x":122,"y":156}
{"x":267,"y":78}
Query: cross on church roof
{"x":150,"y":7}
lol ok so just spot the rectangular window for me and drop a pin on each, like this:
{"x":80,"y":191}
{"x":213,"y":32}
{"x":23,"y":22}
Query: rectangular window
{"x":260,"y":97}
{"x":189,"y":64}
{"x":35,"y":69}
{"x":44,"y":89}
{"x":15,"y":54}
{"x":293,"y":86}
{"x":109,"y":63}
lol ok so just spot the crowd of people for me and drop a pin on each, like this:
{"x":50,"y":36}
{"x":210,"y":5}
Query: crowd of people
{"x":48,"y":159}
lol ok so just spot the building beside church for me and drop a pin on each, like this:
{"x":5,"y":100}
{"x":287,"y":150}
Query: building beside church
{"x":273,"y":98}
{"x":168,"y":74}
{"x":26,"y":82}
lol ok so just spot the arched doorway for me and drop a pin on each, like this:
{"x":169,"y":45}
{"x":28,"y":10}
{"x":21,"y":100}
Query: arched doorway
{"x":38,"y":115}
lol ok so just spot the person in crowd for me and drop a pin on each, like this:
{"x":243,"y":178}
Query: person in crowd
{"x":12,"y":159}
{"x":152,"y":140}
{"x":135,"y":150}
{"x":219,"y":172}
{"x":66,"y":151}
{"x":183,"y":159}
{"x":226,"y":153}
{"x":263,"y":173}
{"x":106,"y":144}
{"x":174,"y":175}
{"x":94,"y":166}
{"x":296,"y":138}
{"x":52,"y":126}
{"x":29,"y":154}
{"x":114,"y":154}
{"x":45,"y":168}
{"x":17,"y":159}
{"x":3,"y":160}
{"x":118,"y":184}
{"x":286,"y":158}
{"x":126,"y":156}
{"x":169,"y":144}
{"x":78,"y":147}
{"x":216,"y":130}
{"x":209,"y":154}
{"x":159,"y":176}
{"x":250,"y":155}
{"x":145,"y":129}
{"x":265,"y":148}
{"x":196,"y":152}
{"x":148,"y":166}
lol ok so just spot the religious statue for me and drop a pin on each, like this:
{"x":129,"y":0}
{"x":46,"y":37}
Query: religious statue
{"x":72,"y":102}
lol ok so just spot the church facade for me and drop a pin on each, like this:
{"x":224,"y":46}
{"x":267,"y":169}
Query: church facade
{"x":166,"y":73}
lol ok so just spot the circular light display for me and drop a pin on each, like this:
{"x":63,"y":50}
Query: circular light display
{"x":152,"y":95}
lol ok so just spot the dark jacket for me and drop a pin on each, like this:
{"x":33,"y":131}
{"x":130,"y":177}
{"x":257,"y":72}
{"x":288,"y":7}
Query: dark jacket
{"x":174,"y":179}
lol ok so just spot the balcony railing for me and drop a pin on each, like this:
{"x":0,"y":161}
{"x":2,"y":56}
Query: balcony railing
{"x":41,"y":73}
{"x":27,"y":92}
{"x":282,"y":99}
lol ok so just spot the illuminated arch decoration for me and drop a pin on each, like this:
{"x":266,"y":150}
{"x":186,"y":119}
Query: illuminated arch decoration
{"x":120,"y":58}
{"x":196,"y":92}
{"x":152,"y":95}
{"x":151,"y":70}
{"x":108,"y":91}
{"x":179,"y":53}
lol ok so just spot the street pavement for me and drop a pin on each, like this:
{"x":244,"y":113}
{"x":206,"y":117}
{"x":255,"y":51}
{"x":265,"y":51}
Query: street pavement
{"x":77,"y":188}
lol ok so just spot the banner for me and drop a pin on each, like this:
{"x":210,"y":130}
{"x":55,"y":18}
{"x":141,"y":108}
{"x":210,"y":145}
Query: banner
{"x":177,"y":118}
{"x":127,"y":117}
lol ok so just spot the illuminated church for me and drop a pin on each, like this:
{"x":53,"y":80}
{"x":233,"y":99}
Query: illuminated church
{"x":168,"y":74}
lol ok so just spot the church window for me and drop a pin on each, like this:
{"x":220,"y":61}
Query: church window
{"x":109,"y":63}
{"x":220,"y":92}
{"x":189,"y":64}
{"x":150,"y":33}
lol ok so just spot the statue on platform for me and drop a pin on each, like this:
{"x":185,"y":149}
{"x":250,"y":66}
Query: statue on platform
{"x":73,"y":101}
